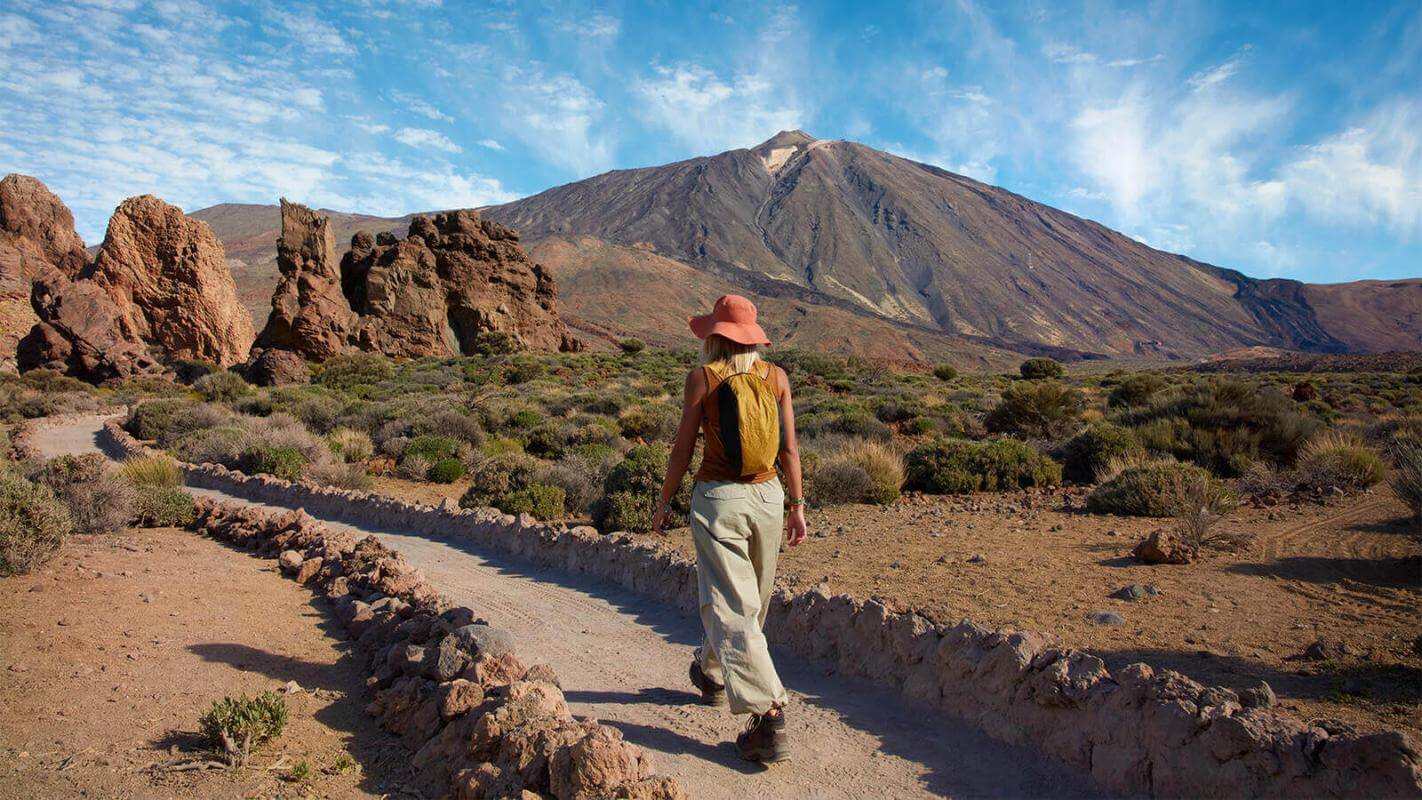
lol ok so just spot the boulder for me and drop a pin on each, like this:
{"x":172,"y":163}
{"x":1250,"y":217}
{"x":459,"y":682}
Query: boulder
{"x":1163,"y":547}
{"x":274,"y":367}
{"x":37,"y":240}
{"x":81,"y":332}
{"x":451,"y":281}
{"x":310,"y":316}
{"x":168,"y":275}
{"x":596,"y":765}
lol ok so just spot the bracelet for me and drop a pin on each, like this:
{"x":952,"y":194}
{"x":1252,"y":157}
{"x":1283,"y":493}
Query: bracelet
{"x":794,"y":501}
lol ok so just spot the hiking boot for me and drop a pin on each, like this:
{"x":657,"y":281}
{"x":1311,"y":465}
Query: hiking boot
{"x":764,"y":739}
{"x":712,"y":693}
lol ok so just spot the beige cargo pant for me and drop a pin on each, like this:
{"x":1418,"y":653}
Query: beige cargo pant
{"x":737,"y":528}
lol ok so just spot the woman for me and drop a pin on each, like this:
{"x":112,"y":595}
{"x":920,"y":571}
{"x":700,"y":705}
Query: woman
{"x":742,"y":405}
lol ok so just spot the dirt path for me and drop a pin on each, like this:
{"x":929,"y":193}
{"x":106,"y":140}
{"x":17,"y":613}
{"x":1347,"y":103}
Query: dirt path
{"x":623,"y":660}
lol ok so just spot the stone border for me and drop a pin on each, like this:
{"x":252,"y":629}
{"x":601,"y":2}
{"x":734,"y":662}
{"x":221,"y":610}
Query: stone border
{"x":480,"y":724}
{"x":1134,"y":731}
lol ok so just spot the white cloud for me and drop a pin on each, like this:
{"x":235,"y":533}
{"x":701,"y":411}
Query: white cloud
{"x":713,"y":114}
{"x":1059,"y":53}
{"x":311,"y":32}
{"x":423,"y":137}
{"x":597,"y":26}
{"x":1367,"y":175}
{"x":492,"y":144}
{"x":418,"y":105}
{"x":558,"y":117}
{"x":1216,"y":75}
{"x":1135,"y":62}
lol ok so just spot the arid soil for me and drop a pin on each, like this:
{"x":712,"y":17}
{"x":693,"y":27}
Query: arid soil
{"x":1347,"y":574}
{"x":112,"y":651}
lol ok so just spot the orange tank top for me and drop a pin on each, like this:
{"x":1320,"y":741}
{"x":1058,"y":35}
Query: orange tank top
{"x":715,"y":466}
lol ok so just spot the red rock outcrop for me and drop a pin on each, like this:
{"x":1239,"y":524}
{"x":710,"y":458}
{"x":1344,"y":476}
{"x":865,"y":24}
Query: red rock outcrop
{"x":82,"y":333}
{"x":168,"y":275}
{"x":37,"y":240}
{"x":310,"y":316}
{"x":453,"y":278}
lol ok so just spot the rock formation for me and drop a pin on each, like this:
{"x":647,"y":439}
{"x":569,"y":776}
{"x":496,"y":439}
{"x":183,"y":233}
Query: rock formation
{"x":450,"y":280}
{"x":37,"y":240}
{"x":168,"y":276}
{"x":82,"y":333}
{"x":431,"y":294}
{"x":310,"y":316}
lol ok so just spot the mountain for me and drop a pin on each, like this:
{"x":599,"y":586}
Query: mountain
{"x":851,"y":249}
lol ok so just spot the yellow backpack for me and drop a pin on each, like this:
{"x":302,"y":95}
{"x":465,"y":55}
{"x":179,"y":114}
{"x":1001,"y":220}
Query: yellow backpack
{"x":749,"y":416}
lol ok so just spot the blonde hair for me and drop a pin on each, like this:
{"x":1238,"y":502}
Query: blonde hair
{"x":720,"y":351}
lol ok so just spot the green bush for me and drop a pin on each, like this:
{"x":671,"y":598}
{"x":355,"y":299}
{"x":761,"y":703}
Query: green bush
{"x":33,"y":524}
{"x":234,"y":726}
{"x":221,"y":387}
{"x":351,"y":445}
{"x":649,"y":422}
{"x":446,"y":470}
{"x":150,"y":420}
{"x":494,"y":343}
{"x":1087,"y":454}
{"x":956,"y":466}
{"x":1407,"y":473}
{"x":625,"y":511}
{"x":632,"y":346}
{"x":1043,"y":409}
{"x":222,"y":445}
{"x":1336,"y":460}
{"x":631,"y":489}
{"x":945,"y":372}
{"x":432,"y":448}
{"x":346,"y":372}
{"x":282,"y":462}
{"x":164,"y":507}
{"x":1036,"y":369}
{"x":540,"y":499}
{"x":497,"y":478}
{"x":1153,"y":489}
{"x":1136,"y":390}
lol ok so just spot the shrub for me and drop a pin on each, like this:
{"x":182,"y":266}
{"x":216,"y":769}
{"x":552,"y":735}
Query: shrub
{"x":650,"y":422}
{"x":234,"y":726}
{"x":282,"y":430}
{"x":413,"y":468}
{"x":834,"y":481}
{"x":955,"y":466}
{"x":152,"y":471}
{"x":98,"y":501}
{"x":632,"y":346}
{"x":194,"y":418}
{"x":540,"y":499}
{"x":222,"y":445}
{"x":1152,"y":490}
{"x":580,"y":473}
{"x":945,"y":372}
{"x":625,"y":511}
{"x":33,"y":524}
{"x":446,"y":470}
{"x":1136,"y":390}
{"x":149,"y":420}
{"x":351,"y":445}
{"x":1407,"y":474}
{"x":345,"y":372}
{"x":631,"y":489}
{"x":432,"y":448}
{"x":496,"y":479}
{"x":1335,"y":460}
{"x":858,"y":472}
{"x":494,"y":343}
{"x":282,"y":462}
{"x":221,"y":387}
{"x":340,"y":476}
{"x":189,"y":370}
{"x":1088,"y":453}
{"x":1044,"y":409}
{"x":1199,"y":503}
{"x":503,"y":446}
{"x":451,"y":425}
{"x":1036,"y":369}
{"x":164,"y":506}
{"x":1261,"y":480}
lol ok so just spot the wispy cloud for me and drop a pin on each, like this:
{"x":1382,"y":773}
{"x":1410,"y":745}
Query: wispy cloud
{"x":492,"y":144}
{"x":418,"y":105}
{"x":559,"y":118}
{"x":423,"y":137}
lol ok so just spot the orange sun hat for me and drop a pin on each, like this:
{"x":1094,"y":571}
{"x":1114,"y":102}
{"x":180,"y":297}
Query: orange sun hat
{"x":734,"y":318}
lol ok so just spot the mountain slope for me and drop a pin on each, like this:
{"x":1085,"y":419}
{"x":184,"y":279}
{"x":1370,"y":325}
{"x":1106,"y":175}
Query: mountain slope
{"x":883,"y":235}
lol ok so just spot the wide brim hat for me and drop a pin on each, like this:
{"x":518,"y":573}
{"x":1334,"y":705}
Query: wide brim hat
{"x":732,"y":317}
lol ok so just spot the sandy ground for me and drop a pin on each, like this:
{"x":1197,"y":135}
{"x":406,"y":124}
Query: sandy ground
{"x":112,"y":651}
{"x":623,"y":660}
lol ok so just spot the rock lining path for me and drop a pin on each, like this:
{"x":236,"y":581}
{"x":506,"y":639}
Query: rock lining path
{"x":623,"y":659}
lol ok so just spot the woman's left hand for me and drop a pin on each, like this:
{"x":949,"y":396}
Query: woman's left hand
{"x":795,"y":525}
{"x":659,"y":519}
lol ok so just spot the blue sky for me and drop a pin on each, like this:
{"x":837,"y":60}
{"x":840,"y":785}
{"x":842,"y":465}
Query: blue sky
{"x":1280,"y":141}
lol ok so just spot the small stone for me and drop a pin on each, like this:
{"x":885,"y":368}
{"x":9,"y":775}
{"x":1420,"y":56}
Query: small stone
{"x":977,"y":558}
{"x":290,"y":561}
{"x":477,"y":640}
{"x":1106,"y":618}
{"x":1318,"y":651}
{"x":1136,"y":591}
{"x":291,"y":687}
{"x":1261,"y":696}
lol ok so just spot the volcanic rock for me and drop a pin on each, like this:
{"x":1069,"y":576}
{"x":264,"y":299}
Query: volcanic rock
{"x":452,"y":280}
{"x":81,"y":333}
{"x":168,"y":275}
{"x":37,"y":240}
{"x":1162,"y":547}
{"x":274,"y":367}
{"x":310,"y":316}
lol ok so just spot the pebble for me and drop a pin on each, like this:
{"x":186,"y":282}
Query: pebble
{"x":1136,"y":591}
{"x":977,"y":558}
{"x":1106,"y":618}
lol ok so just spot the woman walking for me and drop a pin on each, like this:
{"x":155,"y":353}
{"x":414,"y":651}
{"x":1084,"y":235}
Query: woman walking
{"x":742,"y":405}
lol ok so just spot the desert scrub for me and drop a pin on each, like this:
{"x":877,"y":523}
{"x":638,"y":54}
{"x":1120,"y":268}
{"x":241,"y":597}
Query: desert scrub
{"x":1338,"y":460}
{"x":446,"y":470}
{"x":413,"y":468}
{"x":33,"y":524}
{"x":945,"y":372}
{"x":861,"y":471}
{"x":631,"y":489}
{"x":221,"y":387}
{"x":542,"y":500}
{"x":1036,"y":369}
{"x":1135,"y":390}
{"x":149,"y":420}
{"x":350,"y":372}
{"x":955,"y":466}
{"x":650,"y":422}
{"x":632,"y":346}
{"x":496,"y":478}
{"x":98,"y":500}
{"x":164,"y":507}
{"x":282,"y":462}
{"x":1086,"y":455}
{"x":1407,"y":473}
{"x":351,"y":445}
{"x":432,"y":448}
{"x":1152,"y":489}
{"x":152,"y":471}
{"x":233,"y":727}
{"x":1043,"y":409}
{"x":340,"y":476}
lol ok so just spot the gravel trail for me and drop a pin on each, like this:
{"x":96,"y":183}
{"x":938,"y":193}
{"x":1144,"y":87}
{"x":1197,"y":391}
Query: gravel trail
{"x":622,"y":659}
